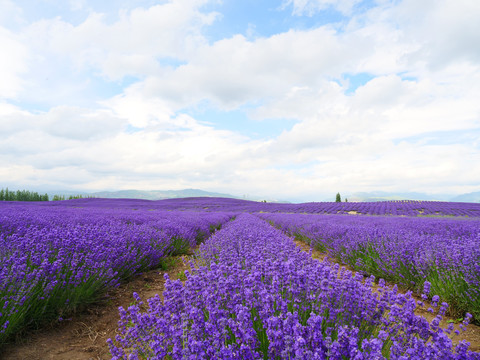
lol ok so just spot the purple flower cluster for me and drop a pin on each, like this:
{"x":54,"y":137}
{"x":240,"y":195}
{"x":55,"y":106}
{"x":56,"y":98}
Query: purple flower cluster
{"x":252,"y":294}
{"x":404,"y":250}
{"x":54,"y":259}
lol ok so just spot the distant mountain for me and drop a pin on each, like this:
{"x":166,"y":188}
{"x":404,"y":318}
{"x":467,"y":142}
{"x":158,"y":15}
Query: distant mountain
{"x":470,"y":197}
{"x":142,"y":194}
{"x":158,"y":194}
{"x":359,"y":196}
{"x":387,"y":196}
{"x":375,"y":196}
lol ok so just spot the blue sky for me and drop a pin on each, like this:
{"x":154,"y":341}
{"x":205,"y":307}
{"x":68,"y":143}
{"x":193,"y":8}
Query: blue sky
{"x":287,"y":99}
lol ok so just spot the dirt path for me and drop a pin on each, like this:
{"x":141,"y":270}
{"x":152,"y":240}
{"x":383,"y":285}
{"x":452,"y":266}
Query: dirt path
{"x":472,"y":334}
{"x":84,"y":336}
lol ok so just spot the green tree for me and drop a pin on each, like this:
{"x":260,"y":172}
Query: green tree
{"x":21,"y":195}
{"x":71,"y":197}
{"x":7,"y":195}
{"x":338,"y":198}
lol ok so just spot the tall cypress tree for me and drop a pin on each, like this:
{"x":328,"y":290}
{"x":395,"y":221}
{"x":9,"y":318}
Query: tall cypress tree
{"x":338,"y":198}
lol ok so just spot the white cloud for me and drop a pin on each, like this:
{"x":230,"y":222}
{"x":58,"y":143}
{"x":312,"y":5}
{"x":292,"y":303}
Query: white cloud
{"x":81,"y":124}
{"x":386,"y":135}
{"x":234,"y":71}
{"x":13,"y":120}
{"x":190,"y":153}
{"x":139,"y":111}
{"x":79,"y":64}
{"x":406,"y":167}
{"x":12,"y":64}
{"x":10,"y":14}
{"x":76,"y":5}
{"x":88,"y":148}
{"x":132,"y":44}
{"x":446,"y":31}
{"x":62,"y":122}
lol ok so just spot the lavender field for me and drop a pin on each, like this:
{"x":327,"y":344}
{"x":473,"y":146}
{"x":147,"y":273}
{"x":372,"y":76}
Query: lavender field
{"x":55,"y":259}
{"x":251,"y":292}
{"x":404,"y":250}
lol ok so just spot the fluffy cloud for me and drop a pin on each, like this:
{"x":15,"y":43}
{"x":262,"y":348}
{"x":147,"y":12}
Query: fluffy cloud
{"x":62,"y":121}
{"x":86,"y":61}
{"x":422,"y":83}
{"x":448,"y":30}
{"x":81,"y":124}
{"x":92,"y":148}
{"x":234,"y":71}
{"x":130,"y":45}
{"x":10,"y":13}
{"x":12,"y":64}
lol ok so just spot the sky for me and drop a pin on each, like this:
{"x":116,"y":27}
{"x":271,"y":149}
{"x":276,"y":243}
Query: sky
{"x":288,"y":99}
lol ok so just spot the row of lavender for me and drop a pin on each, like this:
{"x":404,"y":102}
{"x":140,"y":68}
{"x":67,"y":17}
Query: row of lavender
{"x":404,"y":250}
{"x":55,"y":259}
{"x":408,"y":208}
{"x":254,"y":295}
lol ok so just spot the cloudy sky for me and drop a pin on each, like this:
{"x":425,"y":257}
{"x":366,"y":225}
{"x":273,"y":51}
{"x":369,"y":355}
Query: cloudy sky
{"x":286,"y":99}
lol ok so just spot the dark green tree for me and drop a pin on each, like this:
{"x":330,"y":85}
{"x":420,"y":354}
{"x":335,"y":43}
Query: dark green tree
{"x":338,"y":198}
{"x":21,"y":195}
{"x":7,"y":195}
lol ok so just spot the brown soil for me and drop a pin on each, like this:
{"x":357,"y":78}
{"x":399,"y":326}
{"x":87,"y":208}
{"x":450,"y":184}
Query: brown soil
{"x":84,"y":336}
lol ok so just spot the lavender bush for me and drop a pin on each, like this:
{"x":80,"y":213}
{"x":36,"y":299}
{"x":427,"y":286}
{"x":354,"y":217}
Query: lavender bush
{"x":407,"y":251}
{"x":252,"y":294}
{"x":54,"y":259}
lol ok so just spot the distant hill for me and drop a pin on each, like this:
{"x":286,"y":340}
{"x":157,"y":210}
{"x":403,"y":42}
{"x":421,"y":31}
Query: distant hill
{"x":387,"y":196}
{"x":470,"y":197}
{"x":158,"y":194}
{"x":357,"y":197}
{"x":143,"y":194}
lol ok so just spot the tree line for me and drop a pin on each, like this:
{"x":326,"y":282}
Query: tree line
{"x":26,"y":195}
{"x":21,"y":195}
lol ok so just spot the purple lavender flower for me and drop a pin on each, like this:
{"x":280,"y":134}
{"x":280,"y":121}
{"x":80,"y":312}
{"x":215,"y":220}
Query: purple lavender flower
{"x":258,"y":296}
